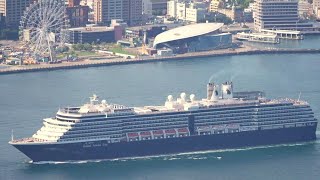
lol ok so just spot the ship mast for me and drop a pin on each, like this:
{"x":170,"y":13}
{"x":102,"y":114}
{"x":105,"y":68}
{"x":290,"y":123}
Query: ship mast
{"x":12,"y":137}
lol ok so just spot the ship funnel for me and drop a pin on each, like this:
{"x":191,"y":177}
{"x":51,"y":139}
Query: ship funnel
{"x":227,"y":90}
{"x":215,"y":93}
{"x":210,"y":87}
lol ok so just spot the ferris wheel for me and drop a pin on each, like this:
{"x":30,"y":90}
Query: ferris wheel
{"x":43,"y":27}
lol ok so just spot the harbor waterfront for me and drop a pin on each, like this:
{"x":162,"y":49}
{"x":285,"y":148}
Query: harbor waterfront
{"x":29,"y":97}
{"x":118,"y":61}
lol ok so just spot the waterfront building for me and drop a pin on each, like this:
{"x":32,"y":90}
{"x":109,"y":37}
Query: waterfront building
{"x":185,"y":39}
{"x":12,"y":11}
{"x":150,"y":31}
{"x":100,"y":34}
{"x":278,"y":14}
{"x":128,"y":10}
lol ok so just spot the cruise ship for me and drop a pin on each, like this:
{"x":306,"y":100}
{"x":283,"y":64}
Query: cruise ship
{"x":224,"y":119}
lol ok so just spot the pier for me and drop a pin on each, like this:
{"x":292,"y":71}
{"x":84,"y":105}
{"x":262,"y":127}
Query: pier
{"x":285,"y":34}
{"x":258,"y":37}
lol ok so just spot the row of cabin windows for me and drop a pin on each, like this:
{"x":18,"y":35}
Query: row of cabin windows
{"x":92,"y":134}
{"x":159,"y":137}
{"x":133,"y":121}
{"x":289,"y":108}
{"x":239,"y":120}
{"x":263,"y":118}
{"x":284,"y":121}
{"x":284,"y":111}
{"x":222,"y":122}
{"x":223,"y":112}
{"x":285,"y":114}
{"x":160,"y":117}
{"x":95,"y":127}
{"x":94,"y":130}
{"x":152,"y":125}
{"x":223,"y":116}
{"x":219,"y":132}
{"x":156,"y":121}
{"x":152,"y":128}
{"x":86,"y":138}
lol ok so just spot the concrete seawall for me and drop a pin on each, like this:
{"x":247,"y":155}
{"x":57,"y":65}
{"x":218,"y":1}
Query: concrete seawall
{"x":108,"y":62}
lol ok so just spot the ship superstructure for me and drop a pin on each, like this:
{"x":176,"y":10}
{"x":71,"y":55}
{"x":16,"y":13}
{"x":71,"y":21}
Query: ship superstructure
{"x":98,"y":129}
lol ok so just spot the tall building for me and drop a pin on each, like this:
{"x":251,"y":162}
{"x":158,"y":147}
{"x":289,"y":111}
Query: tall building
{"x":135,"y":12}
{"x":78,"y":15}
{"x":12,"y":11}
{"x":277,"y":14}
{"x":128,"y":10}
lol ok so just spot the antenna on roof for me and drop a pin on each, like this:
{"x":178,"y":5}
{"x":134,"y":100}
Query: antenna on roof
{"x":299,"y":96}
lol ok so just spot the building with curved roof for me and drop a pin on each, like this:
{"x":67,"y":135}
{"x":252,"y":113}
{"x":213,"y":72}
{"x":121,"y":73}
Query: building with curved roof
{"x":194,"y":37}
{"x":187,"y":31}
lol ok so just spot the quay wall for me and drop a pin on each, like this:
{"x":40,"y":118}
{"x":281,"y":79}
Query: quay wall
{"x":108,"y":62}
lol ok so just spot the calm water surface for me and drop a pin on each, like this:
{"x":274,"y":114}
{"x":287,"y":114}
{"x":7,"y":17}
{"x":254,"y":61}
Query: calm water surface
{"x":27,"y":98}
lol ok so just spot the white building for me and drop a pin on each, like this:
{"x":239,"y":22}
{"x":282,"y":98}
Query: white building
{"x":195,"y":14}
{"x":304,"y":8}
{"x":172,"y":8}
{"x":316,"y":8}
{"x":278,"y":14}
{"x":185,"y":10}
{"x":316,"y":4}
{"x":181,"y":11}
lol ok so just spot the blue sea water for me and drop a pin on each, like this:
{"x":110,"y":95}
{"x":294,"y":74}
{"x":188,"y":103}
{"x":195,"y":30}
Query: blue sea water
{"x":28,"y":97}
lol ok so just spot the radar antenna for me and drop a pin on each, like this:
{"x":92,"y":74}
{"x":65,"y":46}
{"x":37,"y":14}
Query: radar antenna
{"x":299,"y":96}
